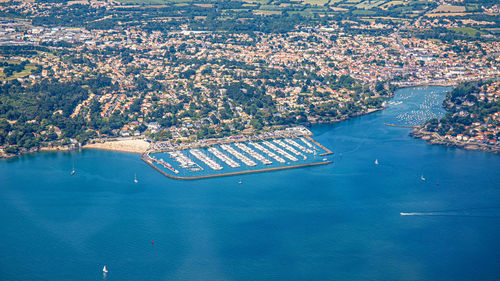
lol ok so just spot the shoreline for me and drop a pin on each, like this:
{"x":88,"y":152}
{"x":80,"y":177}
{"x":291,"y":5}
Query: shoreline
{"x":434,"y":139}
{"x":137,"y":146}
{"x":369,"y":111}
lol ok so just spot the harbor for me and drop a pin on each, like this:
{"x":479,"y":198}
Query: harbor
{"x":240,"y":155}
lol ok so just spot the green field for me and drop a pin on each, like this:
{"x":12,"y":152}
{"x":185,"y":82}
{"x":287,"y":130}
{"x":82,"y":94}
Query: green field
{"x":363,"y":12}
{"x":368,"y":4}
{"x":27,"y":71}
{"x":315,"y":2}
{"x":466,"y":30}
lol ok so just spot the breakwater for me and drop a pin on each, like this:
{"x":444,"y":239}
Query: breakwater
{"x":400,"y":126}
{"x":328,"y":151}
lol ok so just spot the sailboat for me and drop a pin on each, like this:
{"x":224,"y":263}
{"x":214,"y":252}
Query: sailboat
{"x":240,"y":182}
{"x":104,"y":269}
{"x":73,"y":171}
{"x":376,"y":161}
{"x":135,"y":178}
{"x":422,"y":178}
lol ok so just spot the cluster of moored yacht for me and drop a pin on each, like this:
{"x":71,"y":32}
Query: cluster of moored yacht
{"x":236,"y":154}
{"x":426,"y":110}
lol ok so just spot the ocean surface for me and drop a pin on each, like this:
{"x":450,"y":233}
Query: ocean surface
{"x":334,"y":222}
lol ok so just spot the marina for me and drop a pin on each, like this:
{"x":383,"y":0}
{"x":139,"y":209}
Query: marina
{"x":238,"y":155}
{"x":223,"y":157}
{"x":253,"y":153}
{"x":289,"y":148}
{"x":302,"y":148}
{"x":205,"y":159}
{"x":280,"y":151}
{"x":267,"y":152}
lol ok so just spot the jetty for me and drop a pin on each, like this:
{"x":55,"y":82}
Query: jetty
{"x":328,"y":151}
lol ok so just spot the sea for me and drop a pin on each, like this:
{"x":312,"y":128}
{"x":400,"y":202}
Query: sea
{"x":425,"y":212}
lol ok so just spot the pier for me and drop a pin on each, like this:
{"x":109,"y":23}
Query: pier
{"x":328,"y":151}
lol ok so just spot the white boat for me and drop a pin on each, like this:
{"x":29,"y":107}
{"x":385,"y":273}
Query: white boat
{"x":422,"y":178}
{"x":240,"y":182}
{"x":104,"y":269}
{"x":376,"y":161}
{"x":135,"y":178}
{"x":73,"y":170}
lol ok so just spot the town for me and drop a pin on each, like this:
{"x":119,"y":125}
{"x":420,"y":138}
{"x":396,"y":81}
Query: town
{"x":182,"y":84}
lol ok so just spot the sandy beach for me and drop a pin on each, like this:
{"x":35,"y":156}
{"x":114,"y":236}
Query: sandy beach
{"x":124,"y":145}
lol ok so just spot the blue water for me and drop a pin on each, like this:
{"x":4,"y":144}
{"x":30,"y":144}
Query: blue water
{"x":334,"y":222}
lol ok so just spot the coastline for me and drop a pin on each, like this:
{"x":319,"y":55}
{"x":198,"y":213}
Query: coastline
{"x":344,"y":118}
{"x":435,"y":139}
{"x":122,"y":145}
{"x":138,"y":145}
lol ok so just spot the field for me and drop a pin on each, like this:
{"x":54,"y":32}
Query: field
{"x":266,"y":12}
{"x":432,"y":15}
{"x":466,"y":30}
{"x":449,"y":9}
{"x":363,"y":12}
{"x":390,"y":4}
{"x":315,"y":2}
{"x":368,"y":4}
{"x":27,"y":71}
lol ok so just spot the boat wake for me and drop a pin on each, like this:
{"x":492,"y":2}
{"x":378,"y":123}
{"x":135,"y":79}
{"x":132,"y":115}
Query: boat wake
{"x":472,"y":212}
